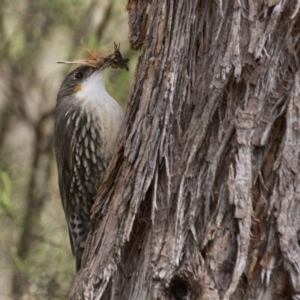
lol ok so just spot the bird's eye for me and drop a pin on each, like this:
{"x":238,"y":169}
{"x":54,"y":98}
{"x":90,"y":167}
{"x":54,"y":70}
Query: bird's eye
{"x":78,"y":75}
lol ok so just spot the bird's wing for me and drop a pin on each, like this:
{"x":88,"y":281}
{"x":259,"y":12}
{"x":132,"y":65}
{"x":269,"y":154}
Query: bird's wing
{"x":63,"y":144}
{"x":63,"y":182}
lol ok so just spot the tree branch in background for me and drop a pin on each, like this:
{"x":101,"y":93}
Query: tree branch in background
{"x":38,"y":193}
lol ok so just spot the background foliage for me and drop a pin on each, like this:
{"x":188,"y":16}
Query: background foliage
{"x":36,"y":260}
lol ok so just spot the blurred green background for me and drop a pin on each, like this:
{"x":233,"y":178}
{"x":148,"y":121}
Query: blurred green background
{"x":36,"y":260}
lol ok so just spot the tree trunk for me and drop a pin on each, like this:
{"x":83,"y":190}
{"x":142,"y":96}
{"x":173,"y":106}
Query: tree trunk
{"x":37,"y":195}
{"x":202,"y":199}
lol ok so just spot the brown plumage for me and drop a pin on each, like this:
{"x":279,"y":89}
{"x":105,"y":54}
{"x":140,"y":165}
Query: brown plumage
{"x":87,"y":124}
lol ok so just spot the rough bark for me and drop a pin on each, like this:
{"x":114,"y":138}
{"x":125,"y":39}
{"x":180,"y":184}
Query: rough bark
{"x":202,"y":197}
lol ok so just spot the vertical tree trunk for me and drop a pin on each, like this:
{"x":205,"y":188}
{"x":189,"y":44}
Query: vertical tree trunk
{"x":202,"y":198}
{"x":37,"y":196}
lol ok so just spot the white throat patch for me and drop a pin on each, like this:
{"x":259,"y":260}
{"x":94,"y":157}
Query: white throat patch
{"x":102,"y":108}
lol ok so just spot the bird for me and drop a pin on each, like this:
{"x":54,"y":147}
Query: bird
{"x":87,"y":124}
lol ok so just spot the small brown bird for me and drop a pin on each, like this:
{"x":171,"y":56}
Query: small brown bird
{"x":87,"y":123}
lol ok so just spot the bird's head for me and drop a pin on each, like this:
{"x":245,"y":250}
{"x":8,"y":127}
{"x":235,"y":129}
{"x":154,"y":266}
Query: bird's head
{"x":80,"y":78}
{"x":89,"y":74}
